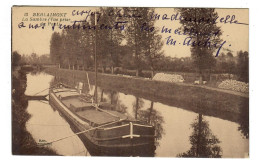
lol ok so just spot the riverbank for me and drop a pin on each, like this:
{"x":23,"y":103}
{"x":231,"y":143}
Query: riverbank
{"x":212,"y":102}
{"x":22,"y":141}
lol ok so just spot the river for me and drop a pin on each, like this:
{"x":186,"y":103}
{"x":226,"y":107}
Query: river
{"x":176,"y":129}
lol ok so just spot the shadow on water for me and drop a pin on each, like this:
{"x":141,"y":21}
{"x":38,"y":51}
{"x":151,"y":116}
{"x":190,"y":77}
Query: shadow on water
{"x":241,"y":118}
{"x":244,"y":120}
{"x":202,"y":141}
{"x":110,"y":100}
{"x":147,"y":116}
{"x":150,"y":116}
{"x":22,"y":141}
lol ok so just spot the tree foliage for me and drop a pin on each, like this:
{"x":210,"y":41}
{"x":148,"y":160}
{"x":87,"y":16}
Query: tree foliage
{"x":199,"y":21}
{"x":16,"y":58}
{"x":143,"y":38}
{"x":55,"y":47}
{"x":136,"y":45}
{"x":34,"y":59}
{"x":243,"y":63}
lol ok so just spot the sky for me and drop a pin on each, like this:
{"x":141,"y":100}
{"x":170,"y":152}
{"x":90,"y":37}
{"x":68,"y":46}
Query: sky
{"x":27,"y":41}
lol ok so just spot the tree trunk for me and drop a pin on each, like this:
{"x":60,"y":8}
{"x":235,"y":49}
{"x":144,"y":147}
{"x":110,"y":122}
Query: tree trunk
{"x":136,"y":107}
{"x":73,"y":77}
{"x":152,"y":72}
{"x":85,"y":66}
{"x":112,"y":70}
{"x":151,"y":110}
{"x":200,"y":77}
{"x":111,"y":97}
{"x":101,"y":97}
{"x":137,"y":73}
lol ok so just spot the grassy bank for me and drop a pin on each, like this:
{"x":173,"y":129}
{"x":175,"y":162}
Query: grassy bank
{"x":22,"y":141}
{"x":198,"y":99}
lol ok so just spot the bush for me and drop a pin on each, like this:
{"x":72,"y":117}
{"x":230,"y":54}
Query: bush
{"x":234,"y":85}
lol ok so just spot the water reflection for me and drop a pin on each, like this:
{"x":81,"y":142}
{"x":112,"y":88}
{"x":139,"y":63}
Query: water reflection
{"x":137,"y":105}
{"x":203,"y":142}
{"x":179,"y":132}
{"x":23,"y":142}
{"x":116,"y":103}
{"x":244,"y":120}
{"x":152,"y":117}
{"x":45,"y":123}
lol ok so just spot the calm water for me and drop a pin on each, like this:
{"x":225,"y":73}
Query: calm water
{"x":46,"y":123}
{"x":177,"y":129}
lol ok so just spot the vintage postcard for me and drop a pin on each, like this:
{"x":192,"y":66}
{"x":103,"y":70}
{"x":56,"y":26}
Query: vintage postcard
{"x":130,"y":81}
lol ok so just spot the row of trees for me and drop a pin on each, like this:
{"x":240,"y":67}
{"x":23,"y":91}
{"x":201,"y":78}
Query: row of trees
{"x":32,"y":59}
{"x":225,"y":63}
{"x":138,"y":44}
{"x":134,"y":42}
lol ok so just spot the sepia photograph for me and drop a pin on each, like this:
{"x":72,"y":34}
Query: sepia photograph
{"x":130,"y":81}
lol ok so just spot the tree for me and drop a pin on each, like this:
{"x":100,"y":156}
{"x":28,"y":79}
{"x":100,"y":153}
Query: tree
{"x":71,"y":51}
{"x":55,"y":48}
{"x":33,"y":59}
{"x":114,"y":35}
{"x":44,"y":59}
{"x":135,"y":35}
{"x":153,"y":43}
{"x":107,"y":37}
{"x":199,"y":22}
{"x":100,"y":41}
{"x":143,"y":38}
{"x":86,"y":47}
{"x":242,"y":66}
{"x":226,"y":63}
{"x":16,"y":58}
